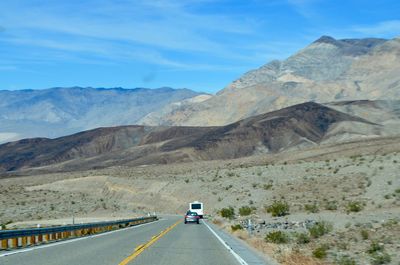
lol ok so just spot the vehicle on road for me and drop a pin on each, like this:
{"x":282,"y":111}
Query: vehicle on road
{"x":192,"y":217}
{"x":197,"y":207}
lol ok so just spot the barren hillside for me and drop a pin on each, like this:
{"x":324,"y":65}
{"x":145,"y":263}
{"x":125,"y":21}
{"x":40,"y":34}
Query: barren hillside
{"x":327,"y":70}
{"x":295,"y":127}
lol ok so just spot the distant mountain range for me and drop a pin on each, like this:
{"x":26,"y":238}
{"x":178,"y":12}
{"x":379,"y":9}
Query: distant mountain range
{"x":299,"y":126}
{"x":330,"y":92}
{"x":61,"y":111}
{"x":325,"y":71}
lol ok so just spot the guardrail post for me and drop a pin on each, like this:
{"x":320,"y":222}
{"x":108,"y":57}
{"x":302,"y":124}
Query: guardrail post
{"x":32,"y":241}
{"x":14,"y":242}
{"x":4,"y":244}
{"x":24,"y":241}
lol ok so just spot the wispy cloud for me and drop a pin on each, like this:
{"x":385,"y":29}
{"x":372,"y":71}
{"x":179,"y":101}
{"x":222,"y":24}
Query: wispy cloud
{"x":146,"y":31}
{"x":390,"y":27}
{"x":304,"y":7}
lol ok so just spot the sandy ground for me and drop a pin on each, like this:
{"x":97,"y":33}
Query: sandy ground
{"x":336,"y":176}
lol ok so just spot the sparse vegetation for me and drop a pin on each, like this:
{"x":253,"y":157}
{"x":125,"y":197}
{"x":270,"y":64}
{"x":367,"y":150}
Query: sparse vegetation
{"x":345,"y":261}
{"x":236,"y":227}
{"x":320,"y":252}
{"x":278,"y":208}
{"x":228,"y":212}
{"x":331,"y":206}
{"x":364,"y":234}
{"x":267,"y":186}
{"x":245,"y":210}
{"x":311,"y":208}
{"x":375,"y":247}
{"x":320,"y":229}
{"x":277,"y":237}
{"x":380,"y":258}
{"x":302,"y":238}
{"x":354,"y":206}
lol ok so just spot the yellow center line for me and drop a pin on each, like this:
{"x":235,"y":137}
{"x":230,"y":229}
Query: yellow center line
{"x":139,"y":249}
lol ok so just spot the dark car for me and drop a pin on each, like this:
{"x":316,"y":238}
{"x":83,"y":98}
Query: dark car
{"x":192,"y":217}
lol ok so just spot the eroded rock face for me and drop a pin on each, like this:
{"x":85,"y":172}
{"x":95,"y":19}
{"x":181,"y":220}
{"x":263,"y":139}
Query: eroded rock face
{"x":327,"y":70}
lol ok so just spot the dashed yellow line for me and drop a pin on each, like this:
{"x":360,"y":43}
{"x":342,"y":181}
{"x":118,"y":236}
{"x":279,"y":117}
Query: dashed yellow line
{"x":139,"y":249}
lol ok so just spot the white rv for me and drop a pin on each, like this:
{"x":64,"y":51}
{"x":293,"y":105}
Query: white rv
{"x":197,"y":207}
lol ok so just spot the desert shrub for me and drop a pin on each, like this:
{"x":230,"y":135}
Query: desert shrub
{"x":245,"y":210}
{"x":345,"y":261}
{"x":380,"y":258}
{"x":390,"y":223}
{"x":320,"y":252}
{"x":278,"y":208}
{"x":331,"y":206}
{"x":397,"y":191}
{"x":311,"y":208}
{"x":228,"y":212}
{"x":364,"y":234}
{"x":267,"y":186}
{"x":375,"y":247}
{"x":277,"y":237}
{"x":320,"y":229}
{"x":354,"y":207}
{"x":302,"y":238}
{"x":236,"y":227}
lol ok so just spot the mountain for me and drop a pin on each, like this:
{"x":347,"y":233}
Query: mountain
{"x":327,"y":70}
{"x":61,"y":111}
{"x":294,"y":127}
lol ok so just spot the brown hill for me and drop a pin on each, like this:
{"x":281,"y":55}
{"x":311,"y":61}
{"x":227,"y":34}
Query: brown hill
{"x":293,"y":127}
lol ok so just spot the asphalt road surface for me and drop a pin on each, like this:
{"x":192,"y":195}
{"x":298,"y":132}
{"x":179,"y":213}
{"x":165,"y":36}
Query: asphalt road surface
{"x":182,"y":244}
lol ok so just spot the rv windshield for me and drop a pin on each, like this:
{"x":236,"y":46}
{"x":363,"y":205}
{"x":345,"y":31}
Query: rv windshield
{"x":196,"y":206}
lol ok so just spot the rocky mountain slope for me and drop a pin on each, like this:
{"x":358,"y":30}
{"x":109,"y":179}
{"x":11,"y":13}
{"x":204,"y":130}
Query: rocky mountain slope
{"x":327,"y":70}
{"x":295,"y":127}
{"x":61,"y":111}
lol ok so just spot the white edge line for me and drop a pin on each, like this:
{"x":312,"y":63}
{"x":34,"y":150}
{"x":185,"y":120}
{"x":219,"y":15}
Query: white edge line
{"x":238,"y":258}
{"x":50,"y":244}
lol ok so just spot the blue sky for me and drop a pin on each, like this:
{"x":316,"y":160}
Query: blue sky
{"x":201,"y":45}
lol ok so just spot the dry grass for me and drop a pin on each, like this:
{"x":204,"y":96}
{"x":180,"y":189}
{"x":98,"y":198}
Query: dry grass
{"x":298,"y":259}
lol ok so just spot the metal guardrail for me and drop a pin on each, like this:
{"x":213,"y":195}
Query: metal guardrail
{"x":24,"y":237}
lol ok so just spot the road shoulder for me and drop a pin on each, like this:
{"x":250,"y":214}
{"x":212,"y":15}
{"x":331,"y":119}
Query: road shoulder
{"x":246,"y":253}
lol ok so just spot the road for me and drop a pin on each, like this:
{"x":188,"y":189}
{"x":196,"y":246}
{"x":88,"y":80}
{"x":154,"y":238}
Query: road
{"x":182,"y":244}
